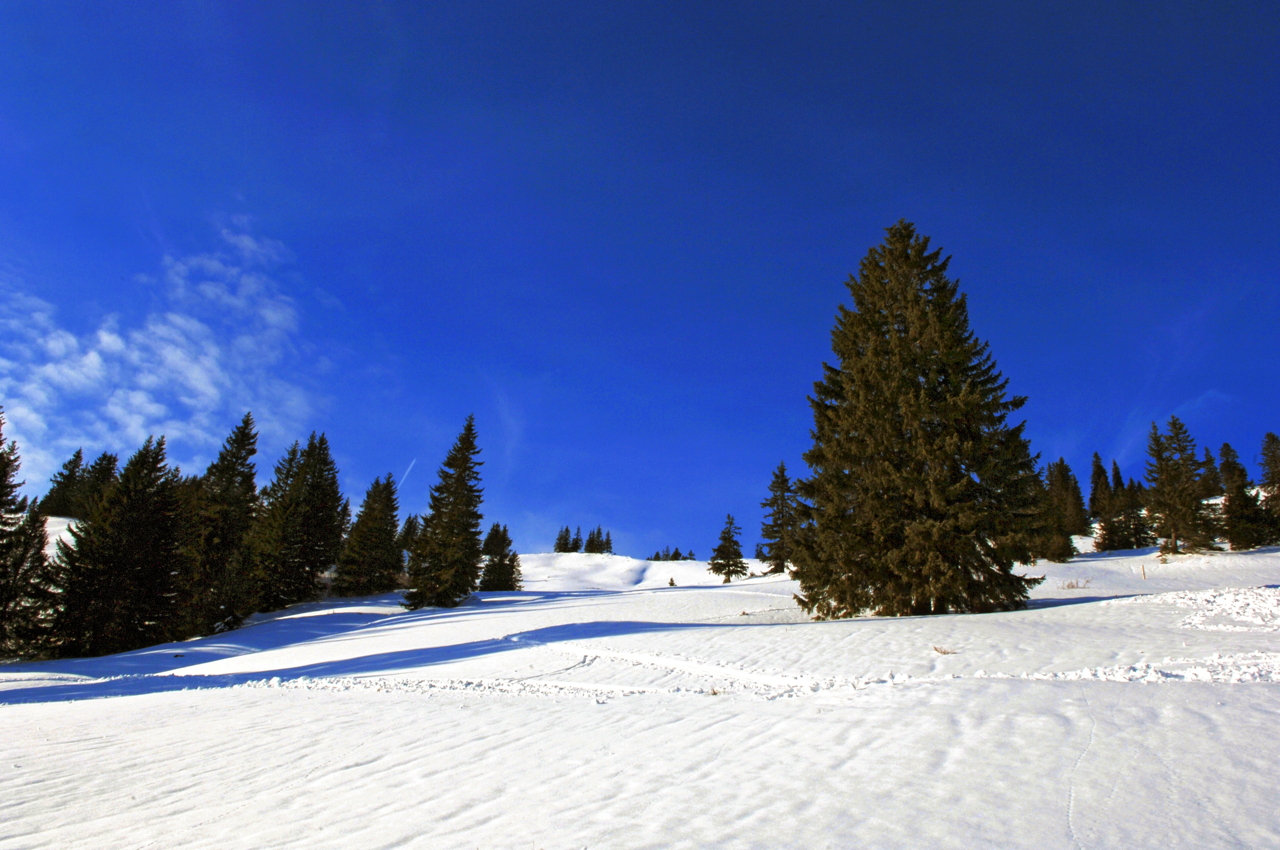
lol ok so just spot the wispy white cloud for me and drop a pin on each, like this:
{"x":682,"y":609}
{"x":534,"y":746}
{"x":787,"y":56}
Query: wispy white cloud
{"x":220,"y":344}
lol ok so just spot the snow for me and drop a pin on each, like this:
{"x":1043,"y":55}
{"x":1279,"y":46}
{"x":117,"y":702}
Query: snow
{"x":601,"y":707}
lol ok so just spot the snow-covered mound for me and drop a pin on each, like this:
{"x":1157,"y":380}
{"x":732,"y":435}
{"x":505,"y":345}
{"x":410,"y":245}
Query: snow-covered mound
{"x":601,"y":707}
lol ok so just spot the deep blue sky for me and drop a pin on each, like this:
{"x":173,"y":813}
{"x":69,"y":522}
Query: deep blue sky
{"x":618,"y":233}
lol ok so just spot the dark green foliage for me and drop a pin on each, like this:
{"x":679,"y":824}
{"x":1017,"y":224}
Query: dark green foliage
{"x":371,"y":561}
{"x":300,"y":531}
{"x":726,"y":559}
{"x":598,"y":542}
{"x":564,"y":541}
{"x":1269,"y":483}
{"x":444,"y":565}
{"x":922,"y":496}
{"x":669,"y":554}
{"x":575,"y":544}
{"x":1210,"y":476}
{"x":63,"y":498}
{"x":781,"y":522}
{"x":1123,"y":524}
{"x":28,"y":583}
{"x":408,"y":535}
{"x":219,"y":591}
{"x":1064,"y":512}
{"x":120,"y":565}
{"x":1245,"y":524}
{"x":74,"y":488}
{"x":501,"y":563}
{"x":1177,"y":490}
{"x":1099,"y":488}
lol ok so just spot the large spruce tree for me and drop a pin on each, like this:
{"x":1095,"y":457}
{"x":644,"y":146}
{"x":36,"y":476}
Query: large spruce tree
{"x":302,"y":525}
{"x":1177,"y":493}
{"x":29,"y":588}
{"x":75,"y":487}
{"x":501,"y":562}
{"x":1065,"y":514}
{"x":1269,"y":484}
{"x":726,"y":558}
{"x":922,"y":497}
{"x":119,"y":568}
{"x":219,"y":592}
{"x":781,"y":521}
{"x":371,"y":561}
{"x":1099,"y":488}
{"x":444,"y":566}
{"x":1244,"y":521}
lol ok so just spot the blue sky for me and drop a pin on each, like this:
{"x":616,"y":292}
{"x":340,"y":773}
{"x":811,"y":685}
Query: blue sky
{"x":618,"y":233}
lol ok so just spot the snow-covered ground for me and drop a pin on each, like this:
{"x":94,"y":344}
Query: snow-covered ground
{"x":603,"y":708}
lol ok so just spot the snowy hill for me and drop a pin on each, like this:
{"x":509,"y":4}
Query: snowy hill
{"x":601,"y":707}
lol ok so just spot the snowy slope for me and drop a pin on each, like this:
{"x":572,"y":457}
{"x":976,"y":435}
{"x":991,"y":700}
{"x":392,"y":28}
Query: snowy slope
{"x":602,"y":708}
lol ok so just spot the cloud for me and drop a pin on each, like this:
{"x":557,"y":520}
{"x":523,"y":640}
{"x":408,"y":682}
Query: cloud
{"x":220,"y":343}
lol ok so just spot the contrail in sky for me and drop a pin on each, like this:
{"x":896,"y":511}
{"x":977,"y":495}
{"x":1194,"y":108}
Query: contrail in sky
{"x":407,"y":471}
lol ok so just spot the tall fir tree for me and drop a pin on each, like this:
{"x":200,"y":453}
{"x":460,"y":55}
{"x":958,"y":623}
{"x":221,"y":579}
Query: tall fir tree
{"x":1065,"y":514}
{"x":29,"y":587}
{"x":501,"y":563}
{"x":408,"y":535}
{"x":1244,"y":521}
{"x":63,"y":498}
{"x":1210,"y":476}
{"x":120,"y":565}
{"x":444,"y":567}
{"x":1269,"y":484}
{"x":564,"y":540}
{"x":922,"y":497}
{"x":371,"y":561}
{"x":781,"y":521}
{"x":575,"y":544}
{"x":726,"y":559}
{"x":219,"y":591}
{"x":1176,"y":498}
{"x":303,"y":522}
{"x":1099,"y":488}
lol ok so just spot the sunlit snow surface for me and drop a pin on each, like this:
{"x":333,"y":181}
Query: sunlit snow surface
{"x":603,"y":708}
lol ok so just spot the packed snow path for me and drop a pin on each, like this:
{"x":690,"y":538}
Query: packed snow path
{"x":603,"y":708}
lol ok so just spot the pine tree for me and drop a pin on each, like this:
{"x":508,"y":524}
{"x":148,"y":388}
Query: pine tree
{"x":1244,"y":521}
{"x":1210,"y":477}
{"x":594,"y":542}
{"x":575,"y":545}
{"x":1177,"y":493}
{"x":608,"y":544}
{"x":371,"y":561}
{"x":726,"y":559}
{"x":63,"y":498}
{"x":28,"y":584}
{"x":444,"y":567}
{"x":409,"y":532}
{"x":219,"y":591}
{"x":781,"y":521}
{"x":1269,"y":484}
{"x":922,"y":497}
{"x":564,"y":540}
{"x":1065,"y":513}
{"x":120,"y":565}
{"x":303,"y":522}
{"x":1099,"y":489}
{"x":501,"y":563}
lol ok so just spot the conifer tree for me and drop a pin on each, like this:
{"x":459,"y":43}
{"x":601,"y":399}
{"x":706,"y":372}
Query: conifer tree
{"x":1244,"y":521}
{"x":409,"y":532}
{"x":594,"y":542}
{"x":303,"y":522}
{"x":564,"y":540}
{"x":575,"y":545}
{"x":371,"y":561}
{"x":119,"y":567}
{"x":1099,"y":489}
{"x":444,"y":567}
{"x":1210,"y":476}
{"x":922,"y":496}
{"x":29,"y":587}
{"x":219,"y":591}
{"x":781,"y":521}
{"x":65,"y":487}
{"x":1065,"y":513}
{"x":726,"y":559}
{"x":1269,"y":483}
{"x":1177,"y":492}
{"x":607,"y":546}
{"x":501,"y":563}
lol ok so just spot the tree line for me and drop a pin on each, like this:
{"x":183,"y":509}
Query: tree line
{"x":156,"y":555}
{"x":597,"y":542}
